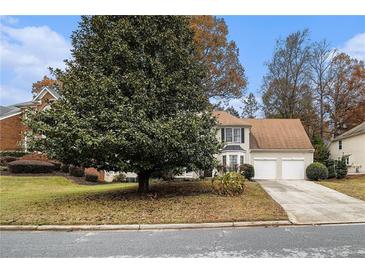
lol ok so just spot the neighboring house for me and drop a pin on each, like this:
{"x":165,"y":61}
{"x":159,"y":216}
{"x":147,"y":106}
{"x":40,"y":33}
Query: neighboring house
{"x":277,"y":148}
{"x":11,"y":127}
{"x":350,"y":145}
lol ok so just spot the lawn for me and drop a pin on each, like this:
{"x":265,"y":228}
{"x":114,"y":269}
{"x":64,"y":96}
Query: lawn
{"x":352,"y":185}
{"x":57,"y":200}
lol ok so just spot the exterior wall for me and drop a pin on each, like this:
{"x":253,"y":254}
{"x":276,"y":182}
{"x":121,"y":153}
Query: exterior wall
{"x":11,"y":130}
{"x":245,"y":146}
{"x":352,"y":146}
{"x":306,"y":155}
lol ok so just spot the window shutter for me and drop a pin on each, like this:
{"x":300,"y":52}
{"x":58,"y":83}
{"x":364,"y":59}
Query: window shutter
{"x":222,"y":134}
{"x":242,"y":135}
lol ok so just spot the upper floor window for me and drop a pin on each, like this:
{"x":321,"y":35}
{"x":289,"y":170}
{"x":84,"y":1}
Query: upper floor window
{"x":233,"y":135}
{"x":340,"y":144}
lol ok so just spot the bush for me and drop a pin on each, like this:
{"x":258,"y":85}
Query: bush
{"x":65,"y":168}
{"x":331,"y":168}
{"x":30,"y":166}
{"x":120,"y":178}
{"x":247,"y":171}
{"x":57,"y":165}
{"x":76,"y":171}
{"x":35,"y":156}
{"x":341,"y":168}
{"x":13,"y":153}
{"x":317,"y":171}
{"x":4,"y":160}
{"x":91,"y":177}
{"x":229,"y":184}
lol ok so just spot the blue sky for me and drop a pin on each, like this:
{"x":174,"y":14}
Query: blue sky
{"x":30,"y":44}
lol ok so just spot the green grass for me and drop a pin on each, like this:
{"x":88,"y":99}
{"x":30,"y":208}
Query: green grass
{"x":56,"y":200}
{"x":352,"y":185}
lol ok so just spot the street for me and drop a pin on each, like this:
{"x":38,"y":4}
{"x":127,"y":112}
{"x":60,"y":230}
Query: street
{"x":289,"y":241}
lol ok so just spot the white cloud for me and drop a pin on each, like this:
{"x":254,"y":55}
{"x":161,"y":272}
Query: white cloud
{"x":355,"y":47}
{"x":26,"y":54}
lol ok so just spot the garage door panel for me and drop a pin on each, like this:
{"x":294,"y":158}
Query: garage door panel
{"x":265,"y":168}
{"x":293,"y":169}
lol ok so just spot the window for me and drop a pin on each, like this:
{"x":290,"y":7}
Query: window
{"x":348,"y":160}
{"x":228,"y":135}
{"x":224,"y":160}
{"x":242,"y":160}
{"x":237,"y":135}
{"x":340,"y":144}
{"x":233,"y":162}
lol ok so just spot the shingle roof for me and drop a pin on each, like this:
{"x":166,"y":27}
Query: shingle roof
{"x":226,"y":119}
{"x":360,"y":129}
{"x":278,"y":134}
{"x":233,"y":148}
{"x":7,"y":111}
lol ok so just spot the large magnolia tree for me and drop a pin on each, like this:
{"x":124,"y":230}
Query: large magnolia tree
{"x":133,"y":99}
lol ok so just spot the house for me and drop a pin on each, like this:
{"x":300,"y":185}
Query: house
{"x":12,"y":128}
{"x":277,"y":148}
{"x":351,"y":145}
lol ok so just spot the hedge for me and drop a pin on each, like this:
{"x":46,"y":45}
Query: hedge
{"x":30,"y":166}
{"x":13,"y":153}
{"x":247,"y":171}
{"x":76,"y":171}
{"x":4,"y":160}
{"x":91,"y":177}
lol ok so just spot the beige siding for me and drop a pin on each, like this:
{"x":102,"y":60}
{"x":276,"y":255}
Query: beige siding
{"x":353,"y":146}
{"x":279,"y":155}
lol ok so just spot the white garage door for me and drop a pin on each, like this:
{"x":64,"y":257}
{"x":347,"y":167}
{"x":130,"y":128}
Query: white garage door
{"x":265,"y":168}
{"x":292,"y":168}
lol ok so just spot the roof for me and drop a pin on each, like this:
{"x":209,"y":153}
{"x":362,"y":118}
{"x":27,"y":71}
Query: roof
{"x":226,"y":119}
{"x":360,"y":129}
{"x":233,"y":148}
{"x":8,"y":111}
{"x":278,"y":134}
{"x":52,"y":91}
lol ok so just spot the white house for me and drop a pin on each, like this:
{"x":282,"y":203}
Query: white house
{"x":350,"y":145}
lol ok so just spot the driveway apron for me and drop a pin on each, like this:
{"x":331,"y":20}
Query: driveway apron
{"x":306,"y":202}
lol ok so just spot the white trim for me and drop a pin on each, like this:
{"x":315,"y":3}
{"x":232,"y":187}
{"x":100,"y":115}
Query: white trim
{"x":265,"y":159}
{"x":233,"y":128}
{"x":292,"y":159}
{"x":11,"y":115}
{"x":42,"y":93}
{"x":283,"y":150}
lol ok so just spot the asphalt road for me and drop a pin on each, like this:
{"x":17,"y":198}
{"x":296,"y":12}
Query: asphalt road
{"x":305,"y":241}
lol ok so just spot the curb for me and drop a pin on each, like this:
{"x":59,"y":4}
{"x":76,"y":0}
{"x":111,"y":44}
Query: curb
{"x":137,"y":227}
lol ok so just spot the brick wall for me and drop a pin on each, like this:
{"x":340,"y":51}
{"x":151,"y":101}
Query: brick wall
{"x":11,"y":130}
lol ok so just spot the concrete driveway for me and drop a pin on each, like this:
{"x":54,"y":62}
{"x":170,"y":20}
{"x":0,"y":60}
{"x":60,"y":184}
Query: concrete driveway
{"x":306,"y":202}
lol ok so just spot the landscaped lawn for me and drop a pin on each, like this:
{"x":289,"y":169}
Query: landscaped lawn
{"x":56,"y":200}
{"x":352,"y":185}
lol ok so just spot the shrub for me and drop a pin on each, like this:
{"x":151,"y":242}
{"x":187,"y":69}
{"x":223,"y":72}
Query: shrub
{"x":229,"y":184}
{"x":65,"y":168}
{"x":247,"y":171}
{"x":331,"y":168}
{"x":317,"y":171}
{"x":13,"y":153}
{"x":119,"y":178}
{"x":35,"y":156}
{"x":341,"y":168}
{"x":4,"y":160}
{"x":91,"y":177}
{"x":76,"y":171}
{"x":30,"y":166}
{"x":57,"y":165}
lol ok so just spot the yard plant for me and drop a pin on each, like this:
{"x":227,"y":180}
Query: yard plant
{"x":317,"y":171}
{"x":231,"y":183}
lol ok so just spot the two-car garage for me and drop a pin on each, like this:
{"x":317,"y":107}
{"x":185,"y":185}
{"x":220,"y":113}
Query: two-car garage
{"x":281,"y":165}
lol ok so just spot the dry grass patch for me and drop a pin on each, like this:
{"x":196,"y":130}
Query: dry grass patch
{"x":351,"y":185}
{"x":56,"y":200}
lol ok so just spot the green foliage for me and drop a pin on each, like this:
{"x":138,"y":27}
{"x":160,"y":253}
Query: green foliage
{"x":132,"y":99}
{"x":91,"y":177}
{"x":230,"y":184}
{"x":250,"y":106}
{"x":331,"y":168}
{"x":233,"y":111}
{"x":247,"y":171}
{"x":30,"y":166}
{"x":13,"y":153}
{"x":321,"y":152}
{"x":76,"y":171}
{"x":317,"y":171}
{"x":341,"y":168}
{"x":120,"y":178}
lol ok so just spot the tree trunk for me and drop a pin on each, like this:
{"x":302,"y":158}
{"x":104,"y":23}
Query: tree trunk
{"x":143,"y":178}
